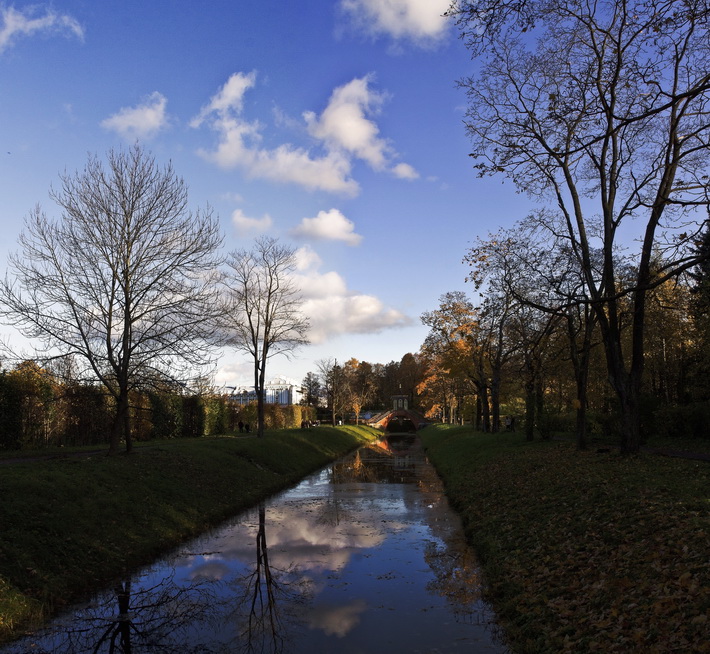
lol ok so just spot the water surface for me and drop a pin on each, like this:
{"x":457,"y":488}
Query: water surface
{"x":363,"y":557}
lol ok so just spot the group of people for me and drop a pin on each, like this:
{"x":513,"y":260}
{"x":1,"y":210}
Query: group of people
{"x":243,"y":427}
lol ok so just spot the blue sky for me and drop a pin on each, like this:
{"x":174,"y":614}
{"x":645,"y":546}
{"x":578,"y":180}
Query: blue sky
{"x":335,"y":127}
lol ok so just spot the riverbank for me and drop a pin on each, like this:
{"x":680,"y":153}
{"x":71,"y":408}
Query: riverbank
{"x":75,"y":523}
{"x":583,"y":551}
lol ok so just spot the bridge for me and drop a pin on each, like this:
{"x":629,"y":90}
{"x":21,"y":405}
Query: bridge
{"x":398,"y":420}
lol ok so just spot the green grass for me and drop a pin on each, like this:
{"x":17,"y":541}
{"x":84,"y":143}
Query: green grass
{"x":72,"y":524}
{"x":583,"y":551}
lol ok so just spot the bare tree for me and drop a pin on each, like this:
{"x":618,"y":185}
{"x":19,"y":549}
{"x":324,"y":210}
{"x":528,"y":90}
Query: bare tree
{"x":124,"y":280}
{"x":538,"y":268}
{"x":263,"y":310}
{"x":600,"y":110}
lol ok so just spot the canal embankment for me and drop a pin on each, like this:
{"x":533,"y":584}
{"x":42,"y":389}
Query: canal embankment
{"x":71,"y":524}
{"x":583,"y":551}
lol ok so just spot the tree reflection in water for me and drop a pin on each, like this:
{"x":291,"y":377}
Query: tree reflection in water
{"x":267,"y":600}
{"x":156,"y":619}
{"x":457,"y":578}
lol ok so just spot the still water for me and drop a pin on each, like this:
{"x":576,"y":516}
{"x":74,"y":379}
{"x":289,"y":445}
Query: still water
{"x":362,"y":557}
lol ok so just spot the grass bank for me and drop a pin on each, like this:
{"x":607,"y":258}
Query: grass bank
{"x":72,"y":524}
{"x":583,"y":552}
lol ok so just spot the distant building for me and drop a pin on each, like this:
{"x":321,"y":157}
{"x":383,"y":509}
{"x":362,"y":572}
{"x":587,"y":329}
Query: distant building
{"x":278,"y":391}
{"x":400,"y":402}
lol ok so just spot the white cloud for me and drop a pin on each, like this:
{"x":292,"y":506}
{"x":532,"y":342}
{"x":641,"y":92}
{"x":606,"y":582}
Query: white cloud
{"x":337,"y":620}
{"x":245,"y":225}
{"x":229,"y":98}
{"x":346,"y":125}
{"x":334,"y":310}
{"x":227,"y":373}
{"x":404,"y":171}
{"x":345,"y":130}
{"x":141,"y":122}
{"x":328,"y":225}
{"x":239,"y":146}
{"x":16,"y":24}
{"x":307,"y":258}
{"x":352,"y":313}
{"x":420,"y":21}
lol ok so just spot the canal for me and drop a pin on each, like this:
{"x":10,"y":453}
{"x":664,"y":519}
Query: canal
{"x":362,"y":557}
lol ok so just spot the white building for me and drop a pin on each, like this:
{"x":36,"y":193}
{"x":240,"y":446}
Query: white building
{"x":277,"y":391}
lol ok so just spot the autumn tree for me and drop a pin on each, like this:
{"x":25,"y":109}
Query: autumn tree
{"x":456,"y":345}
{"x":262,"y":312}
{"x":534,"y":264}
{"x":668,"y":341}
{"x":700,"y":310}
{"x":600,"y":110}
{"x":124,"y":279}
{"x":359,"y":385}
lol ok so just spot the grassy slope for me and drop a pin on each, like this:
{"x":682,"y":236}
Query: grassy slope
{"x":71,"y":524}
{"x":584,"y":552}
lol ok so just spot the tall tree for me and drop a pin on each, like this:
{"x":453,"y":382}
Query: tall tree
{"x":458,"y":346}
{"x":700,"y":308}
{"x":533,"y":262}
{"x":600,"y":109}
{"x":124,"y":280}
{"x":312,"y":390}
{"x":360,"y":387}
{"x":263,"y":308}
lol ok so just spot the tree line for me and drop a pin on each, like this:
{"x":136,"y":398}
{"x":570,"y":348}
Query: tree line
{"x":594,"y":304}
{"x":599,"y":113}
{"x":45,"y":408}
{"x":347,"y":391}
{"x":129,"y":284}
{"x":596,"y":111}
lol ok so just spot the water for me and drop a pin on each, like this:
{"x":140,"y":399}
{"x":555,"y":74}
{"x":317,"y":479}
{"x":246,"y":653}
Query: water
{"x":363,"y":557}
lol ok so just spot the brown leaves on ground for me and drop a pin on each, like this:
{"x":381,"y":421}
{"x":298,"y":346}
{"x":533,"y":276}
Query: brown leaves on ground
{"x":589,"y":552}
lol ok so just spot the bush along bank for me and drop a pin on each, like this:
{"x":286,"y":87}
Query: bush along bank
{"x":72,"y":525}
{"x":583,"y":551}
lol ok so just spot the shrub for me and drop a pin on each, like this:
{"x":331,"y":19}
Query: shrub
{"x":691,"y":420}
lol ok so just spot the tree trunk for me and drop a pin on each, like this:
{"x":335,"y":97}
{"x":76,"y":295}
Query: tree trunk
{"x":486,"y":408}
{"x":580,"y":364}
{"x":121,"y":424}
{"x":127,"y":425}
{"x":629,"y":397}
{"x":542,"y":422}
{"x":260,"y":411}
{"x":495,"y":401}
{"x":529,"y":409}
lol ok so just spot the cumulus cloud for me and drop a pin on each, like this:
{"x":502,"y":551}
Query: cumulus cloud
{"x":306,"y":257}
{"x":229,"y":98}
{"x":141,"y":122}
{"x":328,"y":225}
{"x":405,"y":171}
{"x":419,"y":21}
{"x":245,"y":225}
{"x":346,"y":125}
{"x":344,"y":131}
{"x":16,"y":24}
{"x":239,"y":146}
{"x":334,"y":310}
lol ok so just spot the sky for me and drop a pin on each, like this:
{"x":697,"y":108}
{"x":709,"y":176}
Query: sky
{"x":335,"y":127}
